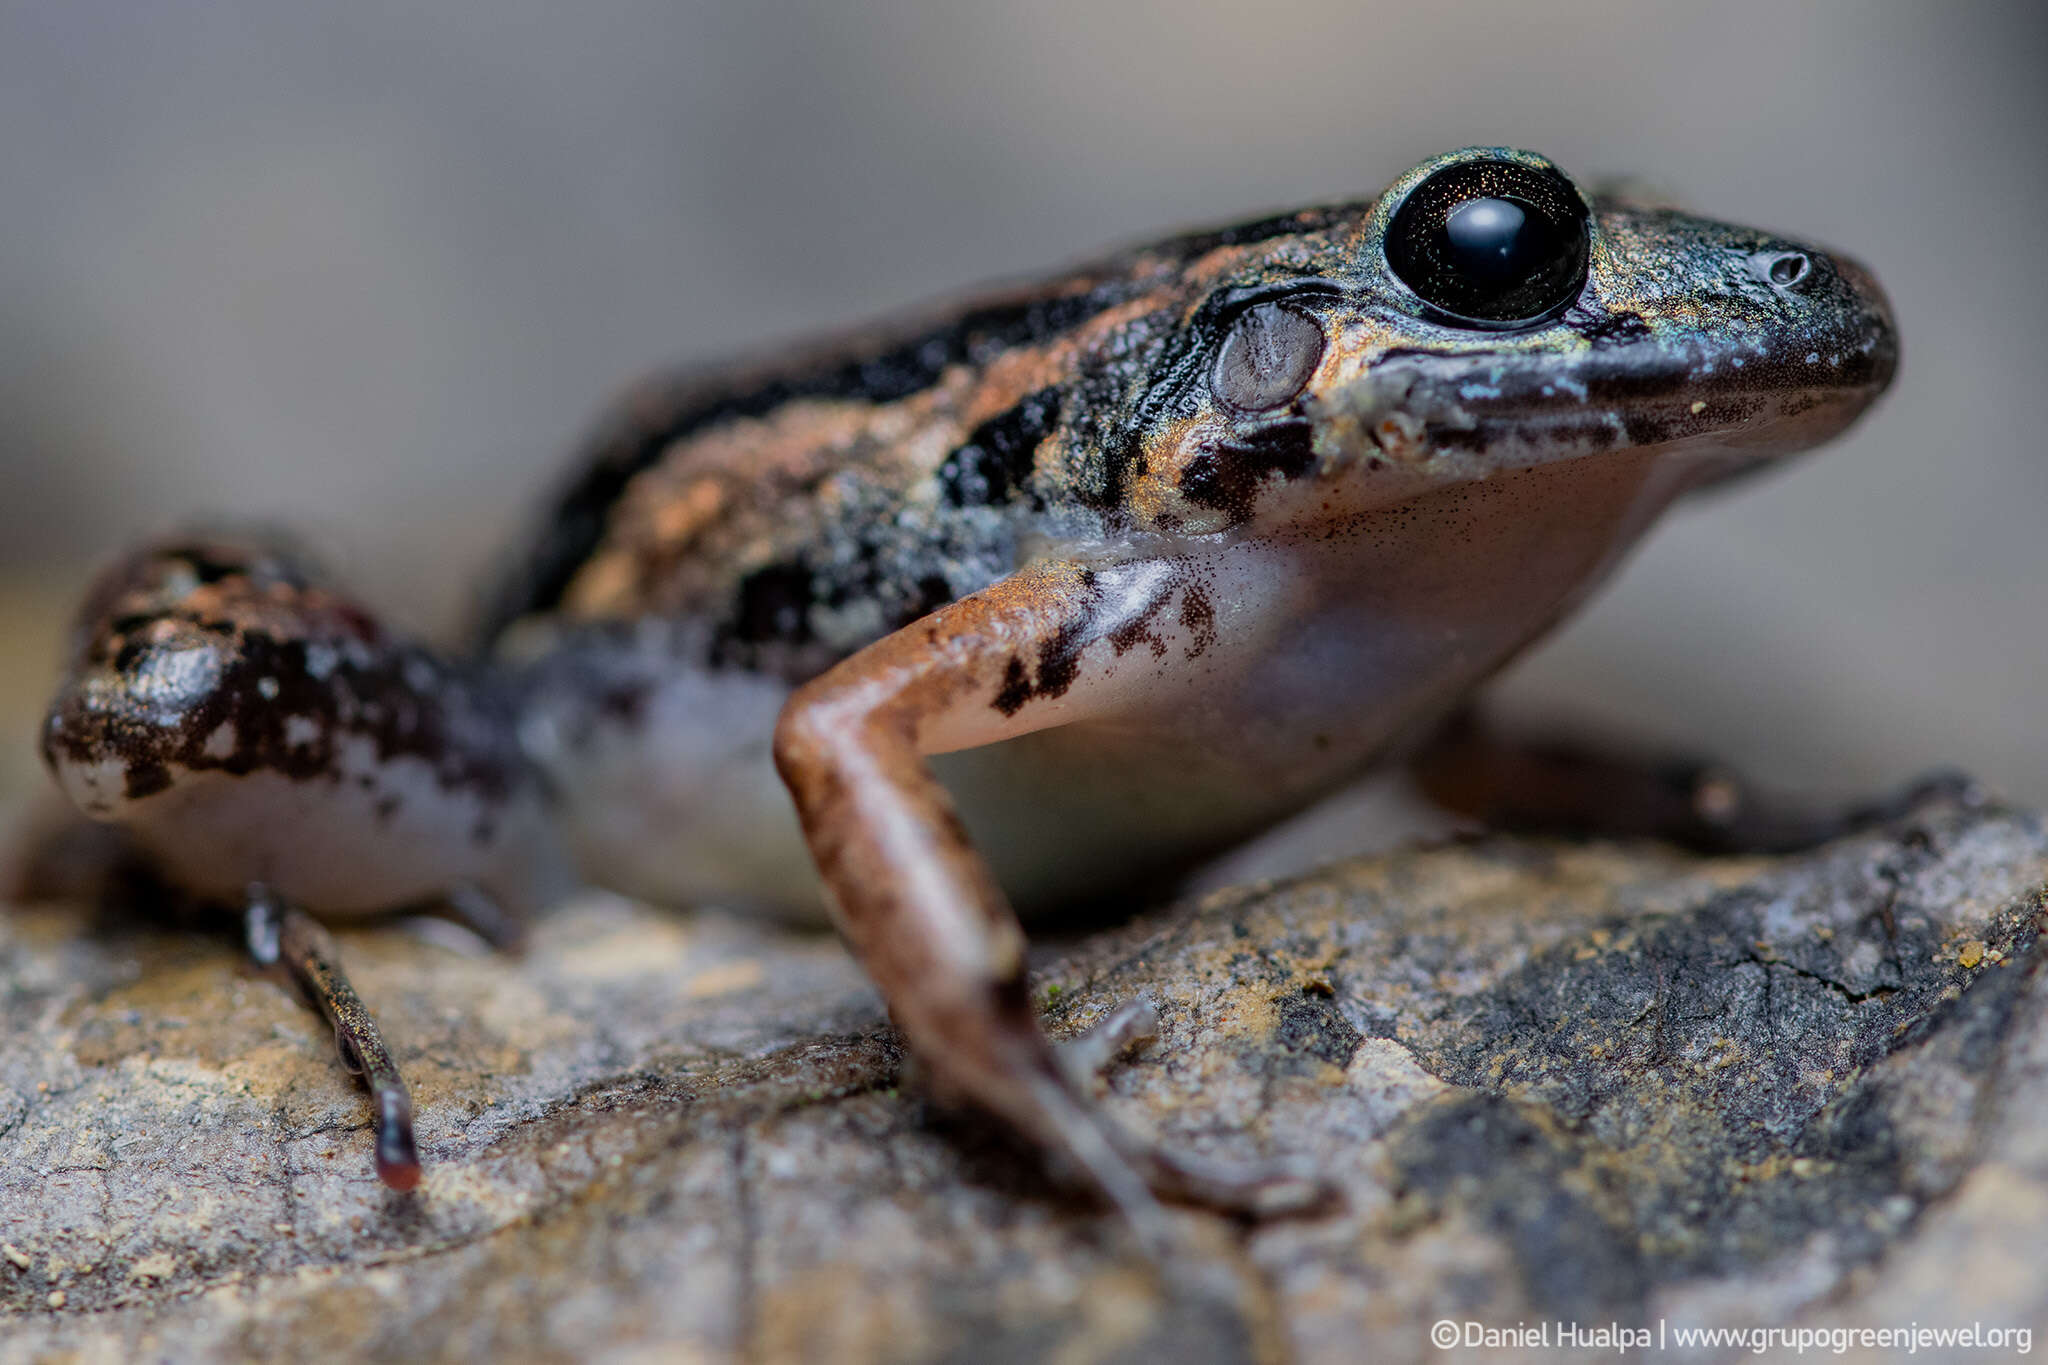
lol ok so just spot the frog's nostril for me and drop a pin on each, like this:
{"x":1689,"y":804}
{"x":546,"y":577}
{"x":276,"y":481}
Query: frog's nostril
{"x":1784,"y":269}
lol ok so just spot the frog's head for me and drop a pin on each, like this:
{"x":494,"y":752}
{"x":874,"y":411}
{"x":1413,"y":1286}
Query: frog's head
{"x":1484,"y":315}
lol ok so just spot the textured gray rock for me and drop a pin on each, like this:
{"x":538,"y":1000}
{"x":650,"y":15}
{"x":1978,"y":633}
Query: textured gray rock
{"x":1555,"y":1082}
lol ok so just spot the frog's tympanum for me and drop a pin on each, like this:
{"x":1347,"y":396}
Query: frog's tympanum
{"x":1017,"y":604}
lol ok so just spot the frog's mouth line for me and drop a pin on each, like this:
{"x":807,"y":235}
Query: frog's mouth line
{"x":1465,"y":413}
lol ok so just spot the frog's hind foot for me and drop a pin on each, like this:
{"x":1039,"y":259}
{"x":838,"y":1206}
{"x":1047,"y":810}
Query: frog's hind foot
{"x":278,"y":934}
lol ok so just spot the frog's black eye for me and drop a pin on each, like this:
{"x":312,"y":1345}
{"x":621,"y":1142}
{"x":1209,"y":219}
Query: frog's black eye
{"x":1491,"y":243}
{"x":1266,"y":357}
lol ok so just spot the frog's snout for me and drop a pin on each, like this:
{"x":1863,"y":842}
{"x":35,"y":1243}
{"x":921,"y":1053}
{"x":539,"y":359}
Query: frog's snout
{"x":1832,"y":352}
{"x":1867,"y":311}
{"x":1839,"y":316}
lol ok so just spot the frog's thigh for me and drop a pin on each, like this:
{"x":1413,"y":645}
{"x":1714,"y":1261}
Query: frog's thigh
{"x":907,"y":888}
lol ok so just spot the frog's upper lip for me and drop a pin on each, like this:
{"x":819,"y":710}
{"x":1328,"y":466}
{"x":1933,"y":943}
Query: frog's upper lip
{"x":1631,"y":386}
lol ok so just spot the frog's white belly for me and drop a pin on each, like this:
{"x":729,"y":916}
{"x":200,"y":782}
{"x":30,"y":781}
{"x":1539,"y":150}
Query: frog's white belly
{"x":1323,"y":653}
{"x":673,"y":798}
{"x":216,"y":833}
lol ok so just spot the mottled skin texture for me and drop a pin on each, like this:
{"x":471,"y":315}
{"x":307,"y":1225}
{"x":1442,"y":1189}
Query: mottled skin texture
{"x":1155,"y":554}
{"x":250,"y":725}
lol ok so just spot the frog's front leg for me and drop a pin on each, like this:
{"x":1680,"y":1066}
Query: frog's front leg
{"x":1507,"y":780}
{"x":914,"y":899}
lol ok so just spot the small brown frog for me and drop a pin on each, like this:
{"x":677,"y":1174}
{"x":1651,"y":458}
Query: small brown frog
{"x":975,"y":615}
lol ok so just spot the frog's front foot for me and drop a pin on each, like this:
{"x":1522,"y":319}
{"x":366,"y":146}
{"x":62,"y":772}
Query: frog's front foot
{"x":1136,"y":1175}
{"x":1131,"y":1024}
{"x":1730,"y":814}
{"x":1242,"y":1189}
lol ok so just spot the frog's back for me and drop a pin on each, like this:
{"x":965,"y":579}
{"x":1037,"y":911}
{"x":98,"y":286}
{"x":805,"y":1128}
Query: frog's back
{"x":798,"y":509}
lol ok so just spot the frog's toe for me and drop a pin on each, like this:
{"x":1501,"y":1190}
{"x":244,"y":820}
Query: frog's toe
{"x":1255,"y":1190}
{"x":1243,"y":1189}
{"x":1131,"y":1024}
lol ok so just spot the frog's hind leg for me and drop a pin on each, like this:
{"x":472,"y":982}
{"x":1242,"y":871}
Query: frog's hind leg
{"x":1478,"y":769}
{"x":279,"y":934}
{"x":240,"y":723}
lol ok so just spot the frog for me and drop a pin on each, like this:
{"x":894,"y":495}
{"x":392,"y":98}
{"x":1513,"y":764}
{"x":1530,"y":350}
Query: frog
{"x":1042,"y":598}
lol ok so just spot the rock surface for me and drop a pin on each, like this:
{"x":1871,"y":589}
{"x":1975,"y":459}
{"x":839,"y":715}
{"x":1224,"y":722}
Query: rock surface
{"x":1578,"y":1083}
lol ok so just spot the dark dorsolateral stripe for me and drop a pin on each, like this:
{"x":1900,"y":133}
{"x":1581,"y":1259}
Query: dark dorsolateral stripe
{"x":994,"y":464}
{"x":879,"y":373}
{"x":886,"y":374}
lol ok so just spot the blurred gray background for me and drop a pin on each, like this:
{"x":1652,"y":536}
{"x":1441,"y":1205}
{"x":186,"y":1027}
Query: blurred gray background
{"x":369,"y":268}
